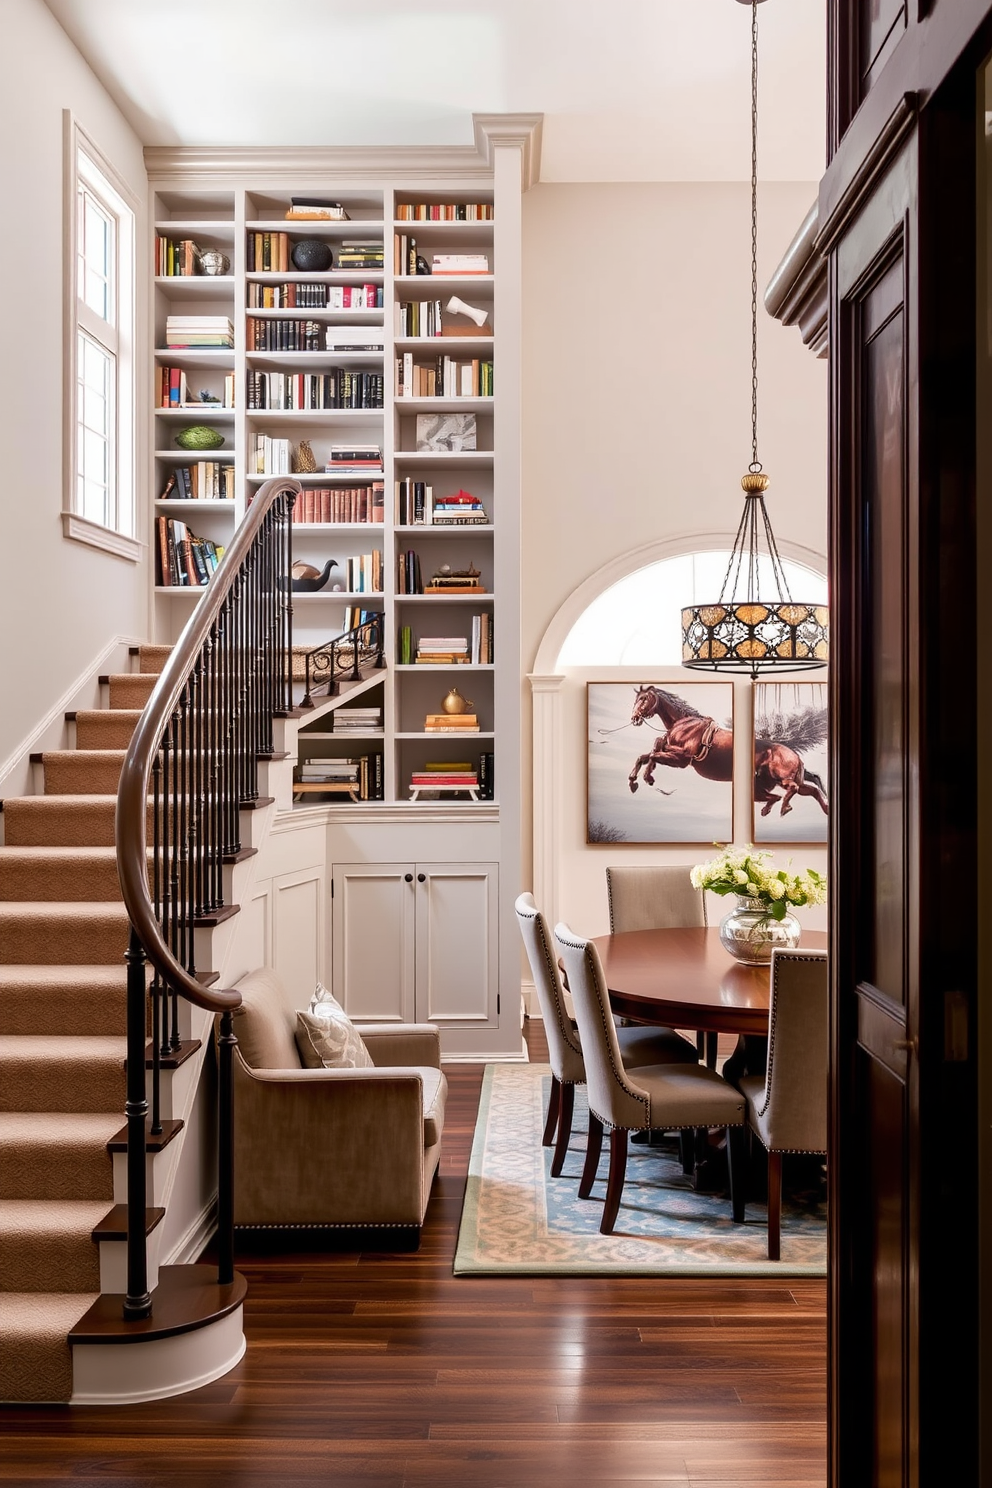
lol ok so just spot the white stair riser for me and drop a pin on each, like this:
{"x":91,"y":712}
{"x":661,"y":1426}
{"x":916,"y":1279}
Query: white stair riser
{"x":113,"y":1262}
{"x":119,"y":1374}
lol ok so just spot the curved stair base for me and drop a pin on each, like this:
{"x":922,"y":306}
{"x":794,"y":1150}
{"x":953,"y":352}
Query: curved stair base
{"x":194,"y":1336}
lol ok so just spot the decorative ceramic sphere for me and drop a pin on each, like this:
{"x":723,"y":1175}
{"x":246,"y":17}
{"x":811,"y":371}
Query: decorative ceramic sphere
{"x":311,"y":255}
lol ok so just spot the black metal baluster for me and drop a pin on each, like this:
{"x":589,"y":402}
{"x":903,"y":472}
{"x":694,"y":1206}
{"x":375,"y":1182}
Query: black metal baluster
{"x":137,"y":1302}
{"x":156,"y":987}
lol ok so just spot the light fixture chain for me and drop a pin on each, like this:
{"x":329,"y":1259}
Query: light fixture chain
{"x":755,"y":462}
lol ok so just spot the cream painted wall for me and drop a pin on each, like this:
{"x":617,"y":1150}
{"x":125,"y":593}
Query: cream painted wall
{"x":61,"y":602}
{"x":636,"y":386}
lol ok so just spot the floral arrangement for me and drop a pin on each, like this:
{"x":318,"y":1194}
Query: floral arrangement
{"x":742,"y":871}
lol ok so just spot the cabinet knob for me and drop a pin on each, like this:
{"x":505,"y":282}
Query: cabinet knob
{"x":421,"y":877}
{"x":408,"y":878}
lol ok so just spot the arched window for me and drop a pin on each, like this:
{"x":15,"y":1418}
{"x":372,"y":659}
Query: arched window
{"x":637,"y":621}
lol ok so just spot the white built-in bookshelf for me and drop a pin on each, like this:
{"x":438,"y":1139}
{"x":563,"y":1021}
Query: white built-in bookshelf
{"x":276,"y":309}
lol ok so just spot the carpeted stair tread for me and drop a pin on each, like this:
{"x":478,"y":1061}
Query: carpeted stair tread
{"x":35,"y":1359}
{"x":47,"y":1244}
{"x":51,"y":932}
{"x":52,"y":1073}
{"x":57,"y":1155}
{"x":75,"y":772}
{"x":105,"y":728}
{"x":81,"y":874}
{"x":81,"y":1000}
{"x":57,"y":821}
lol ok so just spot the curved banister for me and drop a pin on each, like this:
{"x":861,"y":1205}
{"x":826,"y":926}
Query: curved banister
{"x":192,"y":765}
{"x":130,"y":828}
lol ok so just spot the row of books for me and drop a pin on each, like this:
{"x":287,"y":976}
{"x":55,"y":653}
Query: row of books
{"x":293,"y":296}
{"x":268,"y":455}
{"x":449,"y":650}
{"x":417,"y":506}
{"x":172,"y":390}
{"x":418,"y":318}
{"x":301,"y":391}
{"x":206,"y":480}
{"x":176,"y":259}
{"x":444,"y":211}
{"x":457,"y":775}
{"x":363,"y":573}
{"x":284,"y":335}
{"x":354,"y":504}
{"x":459,"y":263}
{"x":355,"y":616}
{"x":198,"y":332}
{"x":445,"y":378}
{"x":268,"y":252}
{"x":182,"y":558}
{"x":358,"y":776}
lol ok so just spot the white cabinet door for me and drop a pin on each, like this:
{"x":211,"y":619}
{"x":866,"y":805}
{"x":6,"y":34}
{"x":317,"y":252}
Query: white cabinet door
{"x":297,"y":911}
{"x":372,"y":925}
{"x":457,"y":948}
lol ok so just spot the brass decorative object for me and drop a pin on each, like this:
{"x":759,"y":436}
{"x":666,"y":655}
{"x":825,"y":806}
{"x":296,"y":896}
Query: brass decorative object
{"x":455,"y":703}
{"x":743,"y":632}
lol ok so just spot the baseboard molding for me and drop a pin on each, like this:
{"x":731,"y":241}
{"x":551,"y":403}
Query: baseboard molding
{"x":109,"y":1374}
{"x":83,"y":692}
{"x":192,"y":1244}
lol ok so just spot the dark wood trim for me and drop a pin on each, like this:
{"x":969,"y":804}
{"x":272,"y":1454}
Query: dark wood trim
{"x":153,"y":1142}
{"x":797,"y":293}
{"x":113,"y":1225}
{"x":214,"y":917}
{"x":837,"y":215}
{"x":186,"y":1297}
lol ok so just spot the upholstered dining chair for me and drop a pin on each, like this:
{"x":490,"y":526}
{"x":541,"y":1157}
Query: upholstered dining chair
{"x":653,"y":897}
{"x":787,"y":1106}
{"x":661,"y":1095}
{"x":638,"y":1045}
{"x":658,"y":897}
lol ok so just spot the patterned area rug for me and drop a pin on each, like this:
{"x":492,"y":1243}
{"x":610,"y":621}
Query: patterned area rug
{"x":517,"y":1218}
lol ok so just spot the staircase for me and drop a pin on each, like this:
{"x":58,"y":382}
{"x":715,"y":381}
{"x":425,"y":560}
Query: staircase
{"x":63,"y":934}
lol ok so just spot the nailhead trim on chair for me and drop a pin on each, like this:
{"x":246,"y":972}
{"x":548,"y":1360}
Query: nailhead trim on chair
{"x":583,"y":946}
{"x":812,"y":1151}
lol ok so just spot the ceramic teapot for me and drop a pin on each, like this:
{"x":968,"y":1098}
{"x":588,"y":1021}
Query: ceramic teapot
{"x":455,"y":703}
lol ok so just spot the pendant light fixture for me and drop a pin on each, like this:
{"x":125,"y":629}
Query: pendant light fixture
{"x":744,"y":631}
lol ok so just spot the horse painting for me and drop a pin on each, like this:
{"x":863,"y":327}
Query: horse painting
{"x":693,"y":740}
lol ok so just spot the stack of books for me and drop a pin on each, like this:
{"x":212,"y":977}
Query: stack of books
{"x":357,"y":720}
{"x":457,"y":776}
{"x":354,"y":459}
{"x":461,"y":509}
{"x":357,"y":253}
{"x":315,"y":209}
{"x":355,"y":338}
{"x":198,"y":332}
{"x":451,"y":723}
{"x":455,"y":583}
{"x":332,"y":772}
{"x":459,"y":263}
{"x":442,"y":651}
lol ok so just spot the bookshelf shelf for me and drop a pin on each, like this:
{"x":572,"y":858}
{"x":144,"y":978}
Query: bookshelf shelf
{"x":315,"y":416}
{"x":444,"y":529}
{"x":210,"y":286}
{"x":444,"y":405}
{"x":445,"y":599}
{"x":195,"y":504}
{"x":183,"y":457}
{"x":313,"y":361}
{"x":447,"y":734}
{"x":457,"y":666}
{"x":206,"y":413}
{"x":439,"y":286}
{"x":330,"y":276}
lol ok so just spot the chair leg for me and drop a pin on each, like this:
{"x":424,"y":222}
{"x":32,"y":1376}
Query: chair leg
{"x":711,"y":1050}
{"x":566,"y":1102}
{"x":687,"y":1149}
{"x":737,"y":1169}
{"x":774,"y":1205}
{"x":614,"y":1186}
{"x":554,"y":1106}
{"x":594,"y":1146}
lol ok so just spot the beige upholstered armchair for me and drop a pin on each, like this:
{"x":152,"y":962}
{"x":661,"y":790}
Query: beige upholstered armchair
{"x":331,"y":1147}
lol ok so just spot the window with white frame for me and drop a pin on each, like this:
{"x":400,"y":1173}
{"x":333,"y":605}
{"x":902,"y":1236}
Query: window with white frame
{"x":100,"y":399}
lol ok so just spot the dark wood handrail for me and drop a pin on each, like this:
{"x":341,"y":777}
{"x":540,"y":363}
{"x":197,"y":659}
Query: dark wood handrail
{"x":130,"y":822}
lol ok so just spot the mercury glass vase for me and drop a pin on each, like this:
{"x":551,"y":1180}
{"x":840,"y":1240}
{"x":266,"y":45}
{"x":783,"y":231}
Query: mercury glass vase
{"x":750,"y":933}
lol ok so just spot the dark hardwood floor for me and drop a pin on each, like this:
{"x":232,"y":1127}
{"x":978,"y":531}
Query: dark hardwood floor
{"x":385,"y":1371}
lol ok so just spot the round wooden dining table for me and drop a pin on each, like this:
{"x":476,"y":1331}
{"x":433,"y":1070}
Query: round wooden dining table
{"x":685,"y":979}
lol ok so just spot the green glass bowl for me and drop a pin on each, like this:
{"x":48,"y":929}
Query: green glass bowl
{"x":199,"y":437}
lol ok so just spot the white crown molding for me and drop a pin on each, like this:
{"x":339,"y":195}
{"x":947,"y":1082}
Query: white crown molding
{"x":235,"y":164}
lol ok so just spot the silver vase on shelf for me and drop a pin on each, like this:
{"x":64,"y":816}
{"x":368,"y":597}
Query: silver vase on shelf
{"x":750,"y":933}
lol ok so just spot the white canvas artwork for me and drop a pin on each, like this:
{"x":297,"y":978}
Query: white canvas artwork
{"x":446,"y":431}
{"x":791,"y":781}
{"x":660,"y":762}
